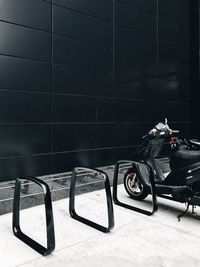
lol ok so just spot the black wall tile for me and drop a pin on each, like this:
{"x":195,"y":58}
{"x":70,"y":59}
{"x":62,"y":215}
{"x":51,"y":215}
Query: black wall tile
{"x":74,"y":108}
{"x":24,"y":74}
{"x":146,"y":5}
{"x":82,"y":26}
{"x":133,"y":87}
{"x":94,"y":158}
{"x":24,"y":107}
{"x":130,"y":17}
{"x":24,"y":42}
{"x":76,"y":137}
{"x":196,"y":133}
{"x":135,"y":111}
{"x":184,"y":3}
{"x":135,"y":40}
{"x":172,"y":71}
{"x":24,"y":139}
{"x":82,"y":53}
{"x":124,"y":153}
{"x":68,"y":137}
{"x":82,"y":81}
{"x":173,"y":12}
{"x":183,"y":127}
{"x":173,"y":51}
{"x":105,"y":83}
{"x":130,"y":134}
{"x":100,"y":94}
{"x":63,"y":162}
{"x":135,"y":64}
{"x":102,"y":157}
{"x":174,"y":111}
{"x":104,"y":135}
{"x":30,"y":13}
{"x":11,"y":168}
{"x":99,"y":8}
{"x":105,"y":110}
{"x":173,"y":32}
{"x":172,"y":91}
{"x":74,"y":80}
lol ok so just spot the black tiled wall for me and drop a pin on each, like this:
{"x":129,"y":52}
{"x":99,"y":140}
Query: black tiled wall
{"x":81,"y":81}
{"x":151,"y":68}
{"x":195,"y":65}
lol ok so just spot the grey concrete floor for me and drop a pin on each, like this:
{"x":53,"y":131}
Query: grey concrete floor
{"x":137,"y":240}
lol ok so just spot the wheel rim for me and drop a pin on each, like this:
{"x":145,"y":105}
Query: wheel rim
{"x":133,"y":185}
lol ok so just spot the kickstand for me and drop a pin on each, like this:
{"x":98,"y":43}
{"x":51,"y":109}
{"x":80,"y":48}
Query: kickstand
{"x":181,"y":215}
{"x":193,"y":207}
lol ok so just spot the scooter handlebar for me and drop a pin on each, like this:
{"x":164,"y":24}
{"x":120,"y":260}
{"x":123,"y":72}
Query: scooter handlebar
{"x":175,"y":132}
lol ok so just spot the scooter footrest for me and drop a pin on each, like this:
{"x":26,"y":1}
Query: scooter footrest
{"x":167,"y":189}
{"x":195,"y":200}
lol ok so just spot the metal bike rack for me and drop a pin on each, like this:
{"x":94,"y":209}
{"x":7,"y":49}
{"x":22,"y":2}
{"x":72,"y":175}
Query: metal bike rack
{"x":72,"y":211}
{"x":152,"y":184}
{"x":49,"y":217}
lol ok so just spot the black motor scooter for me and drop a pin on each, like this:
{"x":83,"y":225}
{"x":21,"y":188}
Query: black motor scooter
{"x":181,"y":184}
{"x":190,"y":144}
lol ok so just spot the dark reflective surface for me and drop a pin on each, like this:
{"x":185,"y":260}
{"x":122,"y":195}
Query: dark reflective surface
{"x":24,"y":139}
{"x":13,"y":167}
{"x":69,"y":51}
{"x":82,"y":81}
{"x":74,"y":108}
{"x":24,"y":42}
{"x":79,"y":86}
{"x":101,"y":9}
{"x":35,"y":14}
{"x":68,"y":22}
{"x":14,"y":106}
{"x":23,"y":74}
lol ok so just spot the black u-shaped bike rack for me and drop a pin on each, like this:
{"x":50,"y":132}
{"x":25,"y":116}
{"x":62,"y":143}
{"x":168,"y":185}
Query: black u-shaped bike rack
{"x":72,"y":211}
{"x":152,"y":184}
{"x":49,"y":217}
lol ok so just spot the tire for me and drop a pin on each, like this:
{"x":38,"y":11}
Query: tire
{"x":133,"y":187}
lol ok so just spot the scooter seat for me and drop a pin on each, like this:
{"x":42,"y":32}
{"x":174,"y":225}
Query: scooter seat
{"x":183,"y":158}
{"x":195,"y":142}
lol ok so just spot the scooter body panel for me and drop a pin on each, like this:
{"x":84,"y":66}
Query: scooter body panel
{"x":183,"y":176}
{"x":182,"y":184}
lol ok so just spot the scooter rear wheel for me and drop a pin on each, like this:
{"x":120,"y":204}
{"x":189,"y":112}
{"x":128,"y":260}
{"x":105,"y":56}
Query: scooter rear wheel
{"x":133,"y":187}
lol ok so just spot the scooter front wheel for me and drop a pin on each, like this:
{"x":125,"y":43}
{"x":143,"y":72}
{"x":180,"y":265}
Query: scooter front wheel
{"x":133,"y":187}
